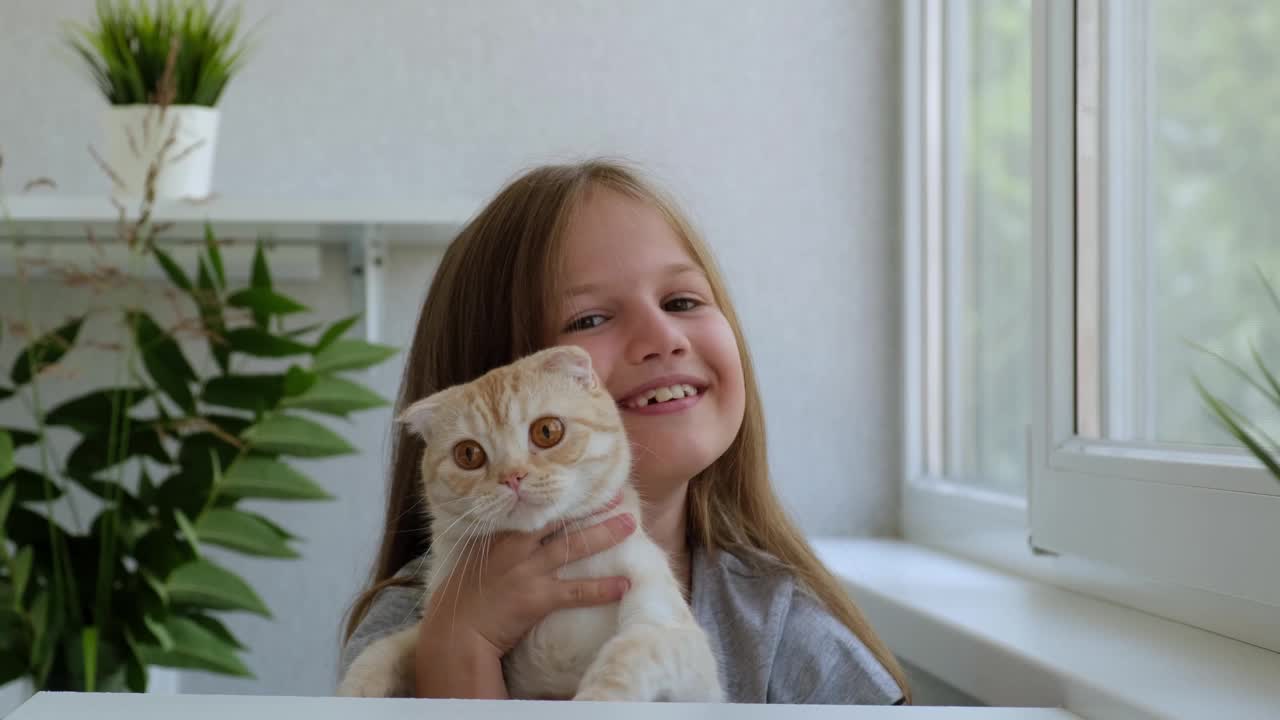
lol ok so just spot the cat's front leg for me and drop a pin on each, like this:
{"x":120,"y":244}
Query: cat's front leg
{"x":384,"y":669}
{"x":645,"y":663}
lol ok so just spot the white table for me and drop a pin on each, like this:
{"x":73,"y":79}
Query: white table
{"x":69,"y":706}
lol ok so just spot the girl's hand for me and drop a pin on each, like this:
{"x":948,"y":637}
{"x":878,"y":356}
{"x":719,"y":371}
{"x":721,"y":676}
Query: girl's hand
{"x":493,"y":598}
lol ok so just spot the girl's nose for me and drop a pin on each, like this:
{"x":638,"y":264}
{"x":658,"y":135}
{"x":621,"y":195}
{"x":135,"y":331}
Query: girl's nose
{"x":655,"y":335}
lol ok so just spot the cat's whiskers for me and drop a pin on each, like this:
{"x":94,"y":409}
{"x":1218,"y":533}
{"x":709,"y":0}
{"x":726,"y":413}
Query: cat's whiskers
{"x":484,"y":553}
{"x":457,"y":552}
{"x":472,"y":536}
{"x":444,"y":560}
{"x":636,"y":445}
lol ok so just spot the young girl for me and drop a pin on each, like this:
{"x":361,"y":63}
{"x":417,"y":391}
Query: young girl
{"x":591,"y":255}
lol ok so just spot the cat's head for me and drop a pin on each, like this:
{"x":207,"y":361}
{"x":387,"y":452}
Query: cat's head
{"x":526,"y":444}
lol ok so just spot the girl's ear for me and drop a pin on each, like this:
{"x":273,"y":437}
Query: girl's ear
{"x":571,"y":361}
{"x":418,"y":416}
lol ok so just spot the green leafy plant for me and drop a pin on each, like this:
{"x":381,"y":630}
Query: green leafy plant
{"x":1248,"y":433}
{"x":165,"y":454}
{"x":169,"y":454}
{"x":127,"y":48}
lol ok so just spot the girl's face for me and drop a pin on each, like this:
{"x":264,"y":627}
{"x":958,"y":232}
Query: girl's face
{"x":637,"y":302}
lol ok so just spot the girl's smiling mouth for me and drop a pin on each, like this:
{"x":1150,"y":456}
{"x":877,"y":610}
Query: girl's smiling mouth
{"x":670,"y":393}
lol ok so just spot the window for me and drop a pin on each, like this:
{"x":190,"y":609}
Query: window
{"x":1087,"y":198}
{"x":975,"y":380}
{"x":1188,"y":159}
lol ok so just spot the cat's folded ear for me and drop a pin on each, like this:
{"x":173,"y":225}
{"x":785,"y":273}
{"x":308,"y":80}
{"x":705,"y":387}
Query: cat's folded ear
{"x":572,"y":361}
{"x":418,"y":415}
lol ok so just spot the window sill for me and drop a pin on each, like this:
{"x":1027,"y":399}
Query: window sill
{"x":1009,"y":641}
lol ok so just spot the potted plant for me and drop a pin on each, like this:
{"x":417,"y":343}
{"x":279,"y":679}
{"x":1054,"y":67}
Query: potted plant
{"x":103,"y":536}
{"x":169,"y":122}
{"x":1248,"y":433}
{"x":89,"y":599}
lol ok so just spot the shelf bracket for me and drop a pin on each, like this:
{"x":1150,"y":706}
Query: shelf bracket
{"x":366,"y":260}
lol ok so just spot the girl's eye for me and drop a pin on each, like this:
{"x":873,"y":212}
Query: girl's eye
{"x":586,"y":322}
{"x":682,"y":304}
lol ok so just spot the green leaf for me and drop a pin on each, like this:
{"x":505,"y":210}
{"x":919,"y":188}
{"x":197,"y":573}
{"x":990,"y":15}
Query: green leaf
{"x":215,"y":626}
{"x":164,"y":360}
{"x":22,"y":571}
{"x":351,"y":355}
{"x":336,"y":396}
{"x":335,"y":331}
{"x":187,"y":530}
{"x":93,"y":454}
{"x":29,"y":486}
{"x":26,"y":526}
{"x":277,"y":529}
{"x":295,"y":436}
{"x":13,"y":664}
{"x":265,"y":301}
{"x":21,"y":437}
{"x":244,"y":532}
{"x":215,"y":255}
{"x":1268,"y":375}
{"x":297,"y":381}
{"x":204,"y":584}
{"x":6,"y":454}
{"x":255,"y":393}
{"x":1244,"y":375}
{"x":47,"y":624}
{"x":171,"y":269}
{"x":210,"y":306}
{"x":7,"y":496}
{"x":159,"y":632}
{"x":45,"y":351}
{"x":89,"y":644}
{"x":1271,"y":290}
{"x":189,"y":488}
{"x":294,"y":333}
{"x":253,"y":476}
{"x":159,"y":552}
{"x":146,"y":489}
{"x":92,"y":412}
{"x":260,"y":276}
{"x":1228,"y":417}
{"x":260,"y":343}
{"x":196,"y":647}
{"x":135,"y":670}
{"x":155,"y":585}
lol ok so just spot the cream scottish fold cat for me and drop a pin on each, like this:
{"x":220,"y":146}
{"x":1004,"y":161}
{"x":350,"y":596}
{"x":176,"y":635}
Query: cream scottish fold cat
{"x":546,"y":421}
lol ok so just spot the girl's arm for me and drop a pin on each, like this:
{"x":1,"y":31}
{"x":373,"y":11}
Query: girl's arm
{"x":457,"y":665}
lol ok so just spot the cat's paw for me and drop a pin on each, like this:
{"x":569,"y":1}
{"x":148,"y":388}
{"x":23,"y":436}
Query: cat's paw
{"x":599,"y":693}
{"x":369,"y":683}
{"x":365,"y":687}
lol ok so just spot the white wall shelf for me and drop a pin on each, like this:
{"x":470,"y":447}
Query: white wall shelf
{"x":59,"y":226}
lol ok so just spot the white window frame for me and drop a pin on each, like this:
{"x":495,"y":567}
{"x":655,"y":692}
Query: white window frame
{"x":1188,"y":534}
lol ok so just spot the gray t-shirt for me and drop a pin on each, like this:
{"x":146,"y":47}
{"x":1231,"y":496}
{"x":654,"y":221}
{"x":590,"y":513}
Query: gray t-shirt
{"x":776,"y":642}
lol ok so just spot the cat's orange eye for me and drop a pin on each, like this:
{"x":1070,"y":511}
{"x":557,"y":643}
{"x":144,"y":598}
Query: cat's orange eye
{"x":546,"y":432}
{"x":468,"y":455}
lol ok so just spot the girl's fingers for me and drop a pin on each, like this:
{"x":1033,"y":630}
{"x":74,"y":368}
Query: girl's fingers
{"x":585,"y":593}
{"x":577,"y":544}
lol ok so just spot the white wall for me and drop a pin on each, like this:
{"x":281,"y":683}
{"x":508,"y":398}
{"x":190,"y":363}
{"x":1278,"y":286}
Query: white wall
{"x":776,"y":123}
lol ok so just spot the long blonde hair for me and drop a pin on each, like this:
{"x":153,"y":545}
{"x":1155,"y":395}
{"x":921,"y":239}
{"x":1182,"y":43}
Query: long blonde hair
{"x":500,"y":272}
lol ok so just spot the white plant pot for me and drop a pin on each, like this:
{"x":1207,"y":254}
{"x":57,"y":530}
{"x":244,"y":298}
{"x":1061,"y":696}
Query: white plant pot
{"x":136,"y":137}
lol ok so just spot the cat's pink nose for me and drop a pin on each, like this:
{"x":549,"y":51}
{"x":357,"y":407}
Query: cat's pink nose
{"x":512,"y":480}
